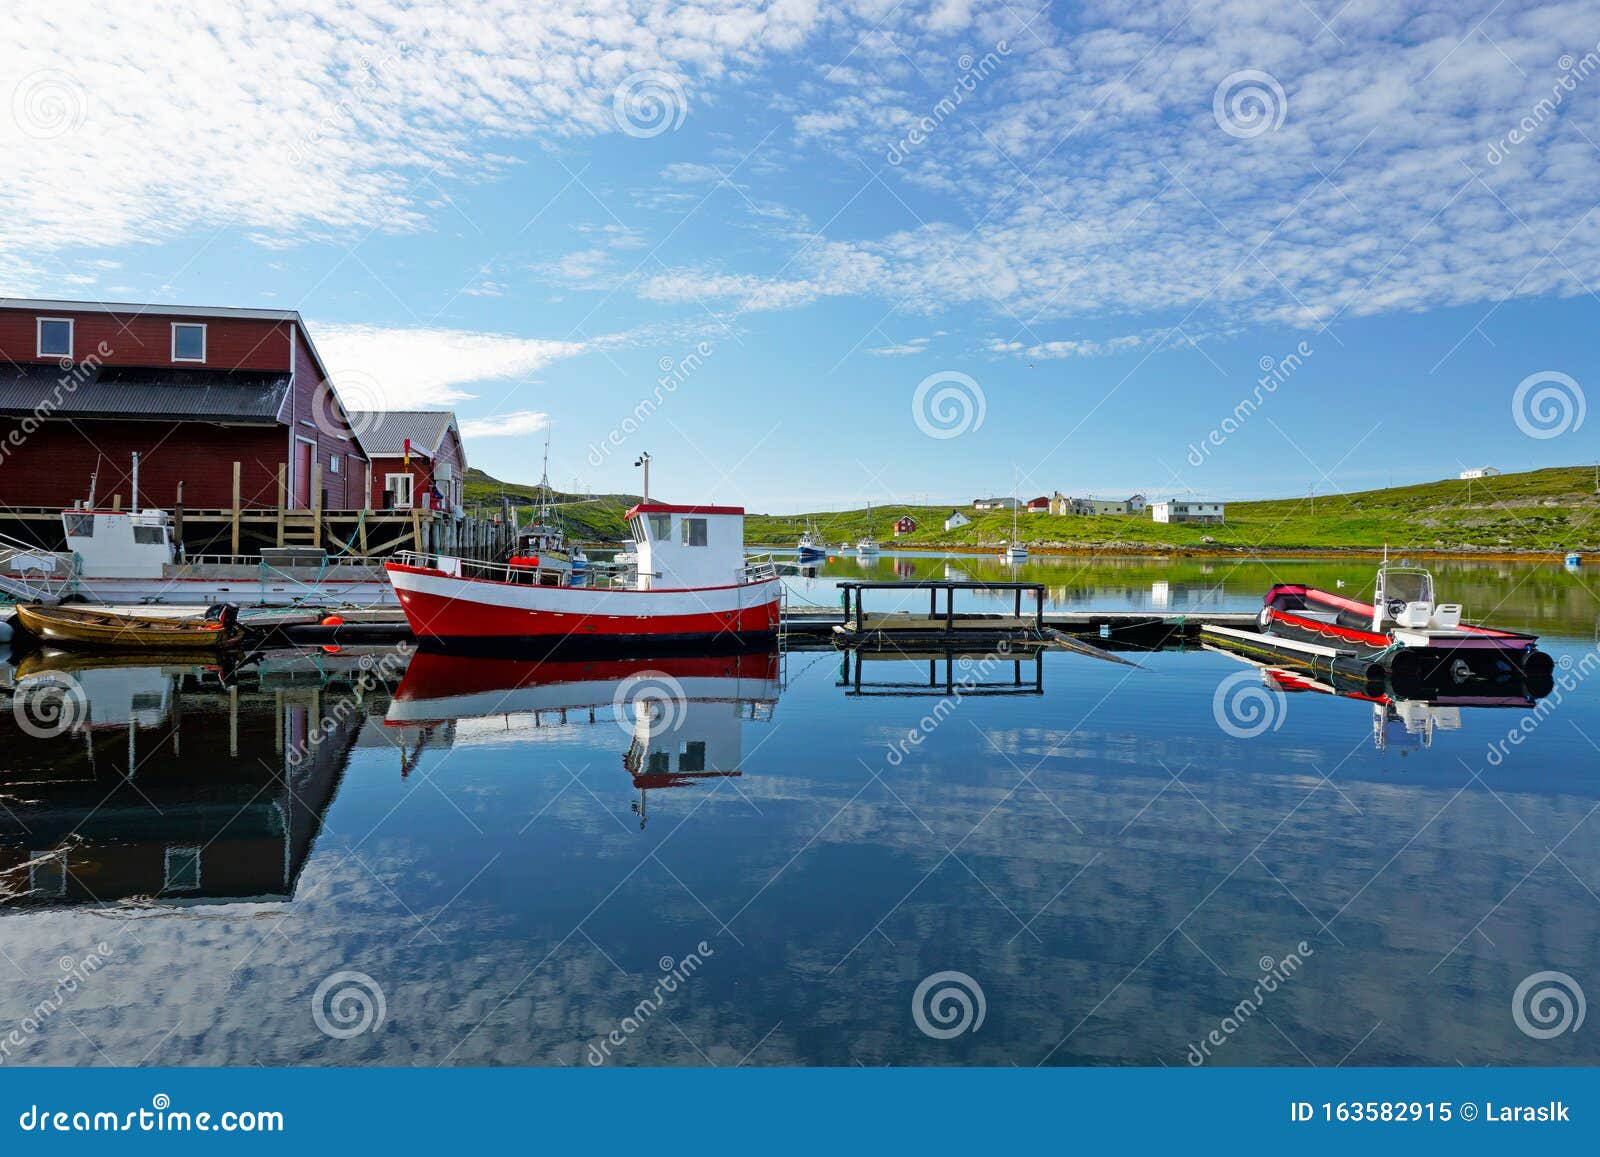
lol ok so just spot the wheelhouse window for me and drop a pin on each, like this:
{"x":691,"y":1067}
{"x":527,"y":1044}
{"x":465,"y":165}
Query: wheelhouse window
{"x":149,"y":535}
{"x":694,"y":532}
{"x":188,"y":342}
{"x":80,"y":525}
{"x":55,"y":337}
{"x":660,"y":526}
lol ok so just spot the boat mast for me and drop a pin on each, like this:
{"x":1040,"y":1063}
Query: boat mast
{"x":644,"y":460}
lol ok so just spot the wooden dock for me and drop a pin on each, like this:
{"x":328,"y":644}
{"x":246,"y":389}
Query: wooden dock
{"x":248,"y":525}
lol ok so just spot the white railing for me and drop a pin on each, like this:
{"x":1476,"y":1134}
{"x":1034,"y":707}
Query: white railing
{"x":758,"y":568}
{"x":471,"y":568}
{"x":31,"y":575}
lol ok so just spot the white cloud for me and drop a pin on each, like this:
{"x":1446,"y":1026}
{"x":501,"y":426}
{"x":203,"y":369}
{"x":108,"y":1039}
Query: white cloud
{"x":375,"y":367}
{"x":915,"y":345}
{"x":517,"y":422}
{"x":278,"y":119}
{"x":1083,"y":181}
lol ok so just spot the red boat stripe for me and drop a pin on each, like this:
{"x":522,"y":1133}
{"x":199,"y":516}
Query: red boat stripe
{"x":436,"y":616}
{"x":1329,"y":630}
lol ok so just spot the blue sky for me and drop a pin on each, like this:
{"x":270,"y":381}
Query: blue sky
{"x":1093,"y":226}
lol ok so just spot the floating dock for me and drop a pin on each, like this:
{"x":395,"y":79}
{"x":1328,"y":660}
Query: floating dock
{"x":814,"y":628}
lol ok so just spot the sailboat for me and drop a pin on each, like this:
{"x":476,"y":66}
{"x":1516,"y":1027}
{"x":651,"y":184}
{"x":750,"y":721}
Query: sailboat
{"x":811,"y":547}
{"x":1014,"y":552}
{"x":866,"y":544}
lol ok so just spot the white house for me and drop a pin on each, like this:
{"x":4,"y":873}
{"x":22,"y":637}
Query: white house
{"x":1479,"y":472}
{"x":956,"y":519}
{"x":1173,"y":510}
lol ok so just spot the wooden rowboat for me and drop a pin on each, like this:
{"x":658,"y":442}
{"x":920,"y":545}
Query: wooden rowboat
{"x":98,"y":629}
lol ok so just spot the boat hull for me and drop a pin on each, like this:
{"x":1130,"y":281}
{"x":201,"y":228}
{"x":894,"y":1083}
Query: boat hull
{"x":84,"y":628}
{"x":468,"y":614}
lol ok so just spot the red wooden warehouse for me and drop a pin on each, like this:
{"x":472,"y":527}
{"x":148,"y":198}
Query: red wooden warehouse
{"x":192,"y":390}
{"x":417,"y":458}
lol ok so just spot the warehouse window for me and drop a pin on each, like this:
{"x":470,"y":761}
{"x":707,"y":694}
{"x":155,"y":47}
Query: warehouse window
{"x":55,"y":337}
{"x":188,"y":342}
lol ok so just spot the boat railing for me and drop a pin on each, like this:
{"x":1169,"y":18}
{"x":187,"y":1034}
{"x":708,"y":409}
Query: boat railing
{"x":472,"y":568}
{"x":759,"y":568}
{"x":357,"y":562}
{"x":29,"y":574}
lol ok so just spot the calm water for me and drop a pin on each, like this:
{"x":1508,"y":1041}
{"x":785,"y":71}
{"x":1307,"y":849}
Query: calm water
{"x":755,"y":863}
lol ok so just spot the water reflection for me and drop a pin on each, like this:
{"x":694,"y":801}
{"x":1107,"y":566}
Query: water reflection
{"x":1089,"y":844}
{"x":684,"y":718}
{"x":170,"y":780}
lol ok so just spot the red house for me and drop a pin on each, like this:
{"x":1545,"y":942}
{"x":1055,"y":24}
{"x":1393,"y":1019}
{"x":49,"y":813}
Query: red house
{"x":193,"y":390}
{"x":1040,"y":505}
{"x":437,"y":460}
{"x":905,"y":524}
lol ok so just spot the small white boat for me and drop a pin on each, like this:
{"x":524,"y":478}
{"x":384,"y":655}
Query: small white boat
{"x":1014,"y":552}
{"x":867,"y":545}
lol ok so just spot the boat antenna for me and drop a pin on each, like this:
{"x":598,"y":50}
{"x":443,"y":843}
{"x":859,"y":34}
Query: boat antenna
{"x":644,"y":460}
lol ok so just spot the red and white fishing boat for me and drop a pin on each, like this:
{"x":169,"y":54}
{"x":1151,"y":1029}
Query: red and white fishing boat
{"x":692,"y":584}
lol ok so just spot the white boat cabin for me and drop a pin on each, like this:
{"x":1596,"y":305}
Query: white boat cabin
{"x":688,"y":546}
{"x":120,"y":543}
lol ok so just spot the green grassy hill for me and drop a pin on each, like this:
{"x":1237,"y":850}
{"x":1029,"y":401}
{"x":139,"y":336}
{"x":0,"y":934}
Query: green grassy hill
{"x":588,"y":517}
{"x":1545,"y":510}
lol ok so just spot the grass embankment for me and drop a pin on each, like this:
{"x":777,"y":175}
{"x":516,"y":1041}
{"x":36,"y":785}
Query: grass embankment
{"x":1541,"y":510}
{"x":588,"y":518}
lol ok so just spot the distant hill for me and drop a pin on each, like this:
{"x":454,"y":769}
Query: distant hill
{"x":1546,"y":510}
{"x":588,"y":517}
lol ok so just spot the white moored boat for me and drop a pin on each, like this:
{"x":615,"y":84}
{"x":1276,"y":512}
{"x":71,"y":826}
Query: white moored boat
{"x":692,"y":583}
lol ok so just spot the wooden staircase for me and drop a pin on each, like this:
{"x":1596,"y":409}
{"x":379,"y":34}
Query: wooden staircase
{"x":299,"y":528}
